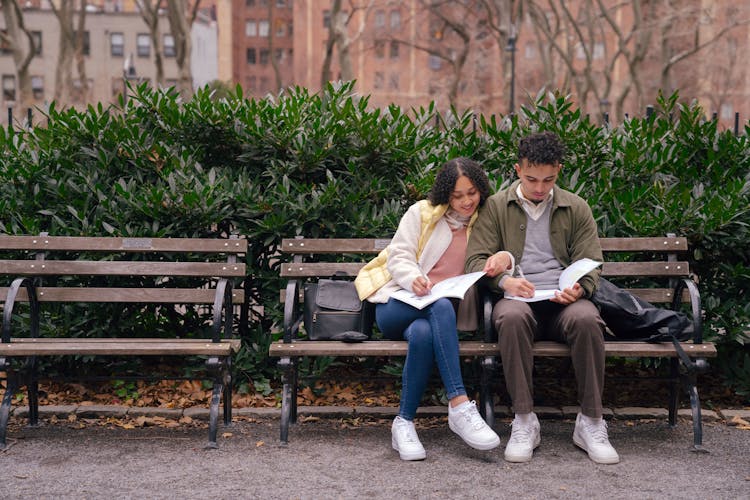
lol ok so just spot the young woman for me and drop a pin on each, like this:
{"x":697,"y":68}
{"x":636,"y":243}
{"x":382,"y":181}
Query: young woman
{"x":430,"y":246}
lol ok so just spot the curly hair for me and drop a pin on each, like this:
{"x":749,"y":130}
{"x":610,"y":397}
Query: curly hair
{"x":445,"y":180}
{"x":541,"y":148}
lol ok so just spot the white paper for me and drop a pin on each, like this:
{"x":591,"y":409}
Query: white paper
{"x":455,"y":287}
{"x":568,"y":278}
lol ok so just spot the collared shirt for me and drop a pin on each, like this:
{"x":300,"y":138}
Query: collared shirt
{"x":534,"y":210}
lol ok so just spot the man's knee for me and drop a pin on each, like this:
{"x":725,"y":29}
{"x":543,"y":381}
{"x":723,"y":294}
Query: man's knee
{"x":511,"y":315}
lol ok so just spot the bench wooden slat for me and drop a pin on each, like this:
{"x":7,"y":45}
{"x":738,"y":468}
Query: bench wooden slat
{"x":476,"y":348}
{"x":375,"y":245}
{"x":155,"y":295}
{"x":119,"y":346}
{"x":120,"y":268}
{"x":116,"y":244}
{"x":609,"y":269}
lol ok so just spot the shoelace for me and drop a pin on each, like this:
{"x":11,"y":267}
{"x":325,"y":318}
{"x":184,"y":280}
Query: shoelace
{"x":520,"y":433}
{"x":407,"y":432}
{"x":598,"y":432}
{"x":471,"y":414}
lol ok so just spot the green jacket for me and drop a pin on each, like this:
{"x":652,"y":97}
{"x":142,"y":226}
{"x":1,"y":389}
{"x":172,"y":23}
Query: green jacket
{"x":501,"y":225}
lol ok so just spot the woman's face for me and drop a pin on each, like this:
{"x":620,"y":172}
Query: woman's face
{"x":465,"y":197}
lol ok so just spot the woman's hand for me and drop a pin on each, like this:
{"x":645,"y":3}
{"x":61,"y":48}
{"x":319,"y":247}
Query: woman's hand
{"x":497,"y":264}
{"x":421,"y":286}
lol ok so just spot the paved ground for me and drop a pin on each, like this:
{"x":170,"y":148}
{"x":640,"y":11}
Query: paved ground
{"x":351,"y":457}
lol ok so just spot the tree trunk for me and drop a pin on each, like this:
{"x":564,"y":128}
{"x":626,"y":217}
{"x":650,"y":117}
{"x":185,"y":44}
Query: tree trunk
{"x":22,"y":48}
{"x":325,"y":71}
{"x":66,"y":52}
{"x":150,"y":14}
{"x":271,"y":54}
{"x":179,"y":23}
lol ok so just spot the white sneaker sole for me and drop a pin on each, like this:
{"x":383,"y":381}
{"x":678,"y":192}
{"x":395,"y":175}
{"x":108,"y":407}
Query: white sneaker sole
{"x":483,"y":446}
{"x":526,"y":457}
{"x":594,"y":458}
{"x":415,"y":455}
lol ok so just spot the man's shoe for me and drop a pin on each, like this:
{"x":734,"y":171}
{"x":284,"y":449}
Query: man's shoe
{"x":593,"y":438}
{"x":466,"y":421}
{"x":405,"y":441}
{"x":524,"y":438}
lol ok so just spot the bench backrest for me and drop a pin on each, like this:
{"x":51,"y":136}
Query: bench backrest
{"x":48,"y":257}
{"x":648,"y":259}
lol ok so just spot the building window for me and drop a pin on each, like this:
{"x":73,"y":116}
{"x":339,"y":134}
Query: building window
{"x":327,"y":19}
{"x":264,"y":56}
{"x":290,"y":29}
{"x":252,"y":83}
{"x":380,"y":49}
{"x":280,"y":54}
{"x":264,"y":84}
{"x":378,"y":82}
{"x":249,"y":3}
{"x":263,"y":28}
{"x":393,"y":83}
{"x":116,"y":44}
{"x":529,"y":50}
{"x":143,"y":44}
{"x":251,"y":28}
{"x":9,"y":87}
{"x":36,"y":36}
{"x":37,"y":86}
{"x":280,"y":27}
{"x":250,"y":56}
{"x":86,"y":43}
{"x":4,"y":47}
{"x":727,"y":112}
{"x":280,"y":3}
{"x":395,"y":19}
{"x":169,"y":48}
{"x":435,"y":62}
{"x":598,"y":50}
{"x":380,"y":19}
{"x":394,"y":49}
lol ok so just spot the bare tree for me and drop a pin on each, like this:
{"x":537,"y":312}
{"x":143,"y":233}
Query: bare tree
{"x":271,"y":52}
{"x":20,"y":42}
{"x":150,"y":14}
{"x":180,"y":22}
{"x":64,"y":11}
{"x":340,"y":38}
{"x":503,"y":18}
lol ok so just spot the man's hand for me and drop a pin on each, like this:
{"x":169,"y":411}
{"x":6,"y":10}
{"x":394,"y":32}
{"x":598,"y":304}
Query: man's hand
{"x":569,"y":295}
{"x":518,"y":287}
{"x":497,"y":264}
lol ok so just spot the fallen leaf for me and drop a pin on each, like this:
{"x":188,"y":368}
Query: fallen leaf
{"x":259,"y":444}
{"x":226,"y":434}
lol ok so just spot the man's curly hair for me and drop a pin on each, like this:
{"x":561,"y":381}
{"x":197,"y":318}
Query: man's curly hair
{"x":541,"y":148}
{"x":445,"y":180}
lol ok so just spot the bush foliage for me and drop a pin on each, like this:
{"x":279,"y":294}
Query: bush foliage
{"x":328,"y":165}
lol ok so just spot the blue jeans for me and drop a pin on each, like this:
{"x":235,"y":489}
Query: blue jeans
{"x":432,"y":336}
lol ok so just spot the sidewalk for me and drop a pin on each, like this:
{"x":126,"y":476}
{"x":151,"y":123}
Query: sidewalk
{"x":338,"y":453}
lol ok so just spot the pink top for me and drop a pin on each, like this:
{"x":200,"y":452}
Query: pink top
{"x":451,"y":263}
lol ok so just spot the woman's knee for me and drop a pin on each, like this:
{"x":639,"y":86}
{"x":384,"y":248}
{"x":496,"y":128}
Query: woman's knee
{"x":419,"y":334}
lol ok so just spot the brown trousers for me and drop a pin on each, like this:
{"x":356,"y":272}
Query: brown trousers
{"x":579,"y":325}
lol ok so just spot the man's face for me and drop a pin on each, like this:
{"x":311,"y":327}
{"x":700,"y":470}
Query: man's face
{"x":537,"y":180}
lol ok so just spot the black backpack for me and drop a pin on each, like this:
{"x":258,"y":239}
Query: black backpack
{"x":632,"y":318}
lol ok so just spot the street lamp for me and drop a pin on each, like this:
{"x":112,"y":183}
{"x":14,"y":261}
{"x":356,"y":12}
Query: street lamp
{"x":511,"y":47}
{"x":128,"y":73}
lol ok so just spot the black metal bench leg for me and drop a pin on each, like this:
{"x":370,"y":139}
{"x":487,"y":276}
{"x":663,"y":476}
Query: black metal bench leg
{"x":288,"y":397}
{"x":691,"y":386}
{"x":213,"y":410}
{"x":228,"y":387}
{"x":674,"y":390}
{"x":486,"y":399}
{"x":10,"y":389}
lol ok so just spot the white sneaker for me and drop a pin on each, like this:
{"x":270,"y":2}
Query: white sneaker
{"x":524,"y":439}
{"x":466,"y":421}
{"x":593,"y":438}
{"x":405,"y":441}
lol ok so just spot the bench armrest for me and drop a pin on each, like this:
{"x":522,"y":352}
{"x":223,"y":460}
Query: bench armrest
{"x":695,"y":305}
{"x":485,"y":304}
{"x":292,"y":315}
{"x":223,"y":313}
{"x":10,"y":302}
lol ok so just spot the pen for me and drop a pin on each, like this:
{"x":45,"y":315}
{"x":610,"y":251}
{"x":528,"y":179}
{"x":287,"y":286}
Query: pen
{"x":520,"y":271}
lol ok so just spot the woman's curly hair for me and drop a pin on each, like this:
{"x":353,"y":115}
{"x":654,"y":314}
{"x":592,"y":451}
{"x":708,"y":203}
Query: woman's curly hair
{"x":445,"y":180}
{"x":541,"y":148}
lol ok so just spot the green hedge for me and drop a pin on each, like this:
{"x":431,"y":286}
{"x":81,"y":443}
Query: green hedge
{"x":328,"y":165}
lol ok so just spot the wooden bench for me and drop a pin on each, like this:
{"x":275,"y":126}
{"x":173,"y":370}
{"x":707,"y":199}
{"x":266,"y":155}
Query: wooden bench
{"x":649,"y":259}
{"x":173,"y":274}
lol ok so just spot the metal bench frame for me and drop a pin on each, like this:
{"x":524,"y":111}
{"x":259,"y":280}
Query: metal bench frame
{"x":28,"y":287}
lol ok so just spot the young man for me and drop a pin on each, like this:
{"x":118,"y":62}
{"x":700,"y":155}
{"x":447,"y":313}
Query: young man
{"x":546,"y":229}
